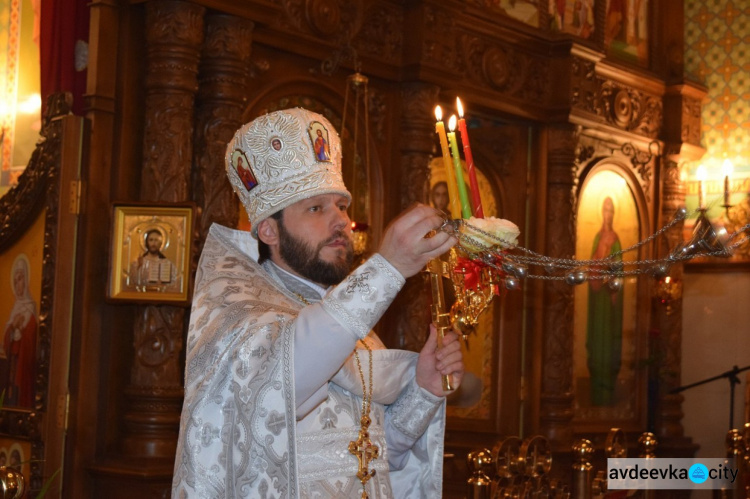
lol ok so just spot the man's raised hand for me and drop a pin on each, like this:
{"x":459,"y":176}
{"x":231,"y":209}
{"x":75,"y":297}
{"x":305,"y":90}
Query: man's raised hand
{"x":405,"y":243}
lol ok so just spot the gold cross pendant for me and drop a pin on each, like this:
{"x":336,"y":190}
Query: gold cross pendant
{"x":365,"y":451}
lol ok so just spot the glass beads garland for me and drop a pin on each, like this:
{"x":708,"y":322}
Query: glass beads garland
{"x":515,"y":266}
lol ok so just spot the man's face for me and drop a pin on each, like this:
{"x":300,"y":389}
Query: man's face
{"x":153,"y":243}
{"x":315,"y":238}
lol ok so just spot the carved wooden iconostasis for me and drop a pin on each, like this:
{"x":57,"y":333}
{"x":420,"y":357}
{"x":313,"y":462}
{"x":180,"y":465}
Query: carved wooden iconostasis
{"x":39,"y":225}
{"x":557,"y":106}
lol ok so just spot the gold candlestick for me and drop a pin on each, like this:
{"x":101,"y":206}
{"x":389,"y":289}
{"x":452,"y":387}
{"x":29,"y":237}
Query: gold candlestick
{"x":440,"y":317}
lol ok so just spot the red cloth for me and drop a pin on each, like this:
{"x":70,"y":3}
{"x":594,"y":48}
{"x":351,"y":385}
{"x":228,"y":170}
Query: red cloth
{"x":21,"y":364}
{"x":62,"y":22}
{"x":471,"y":270}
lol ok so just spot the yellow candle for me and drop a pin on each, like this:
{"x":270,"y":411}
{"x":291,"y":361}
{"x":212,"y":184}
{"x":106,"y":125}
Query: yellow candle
{"x":455,"y":206}
{"x":462,"y":192}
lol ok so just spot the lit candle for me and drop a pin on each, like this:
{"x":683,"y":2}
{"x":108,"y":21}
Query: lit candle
{"x":701,"y":175}
{"x":476,"y":199}
{"x":455,"y":207}
{"x":727,"y":168}
{"x":465,"y":206}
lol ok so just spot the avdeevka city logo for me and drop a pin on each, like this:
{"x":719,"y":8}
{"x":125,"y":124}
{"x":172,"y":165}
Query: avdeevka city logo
{"x":670,"y":473}
{"x":698,"y":473}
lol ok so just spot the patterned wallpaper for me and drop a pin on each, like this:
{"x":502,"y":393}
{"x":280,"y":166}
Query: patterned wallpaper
{"x":717,"y":45}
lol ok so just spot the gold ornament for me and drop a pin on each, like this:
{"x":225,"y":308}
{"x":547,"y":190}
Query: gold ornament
{"x":363,"y":448}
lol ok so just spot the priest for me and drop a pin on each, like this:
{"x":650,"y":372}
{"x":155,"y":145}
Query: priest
{"x":288,"y":391}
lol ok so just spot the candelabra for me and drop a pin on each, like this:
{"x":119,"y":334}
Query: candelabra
{"x":484,"y":259}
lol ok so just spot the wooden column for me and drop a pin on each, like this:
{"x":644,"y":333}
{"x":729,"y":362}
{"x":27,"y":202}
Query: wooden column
{"x":174,"y":33}
{"x":417,"y":139}
{"x":224,"y":73}
{"x":556,"y":404}
{"x":668,"y":320}
{"x":682,"y":132}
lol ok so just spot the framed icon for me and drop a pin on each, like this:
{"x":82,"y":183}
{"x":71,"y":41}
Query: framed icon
{"x":150,"y":253}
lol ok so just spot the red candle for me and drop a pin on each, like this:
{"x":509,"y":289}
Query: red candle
{"x":474,"y":185}
{"x":463,"y":195}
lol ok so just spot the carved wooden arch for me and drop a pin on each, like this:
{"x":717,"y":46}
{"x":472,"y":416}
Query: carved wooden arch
{"x":620,"y":166}
{"x":623,"y":168}
{"x":328,"y":100}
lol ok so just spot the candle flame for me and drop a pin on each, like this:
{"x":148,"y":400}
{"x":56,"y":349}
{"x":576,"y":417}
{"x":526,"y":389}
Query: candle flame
{"x":452,"y":123}
{"x":700,"y":174}
{"x":727,"y":168}
{"x":460,"y":107}
{"x":667,"y":279}
{"x":438,"y":113}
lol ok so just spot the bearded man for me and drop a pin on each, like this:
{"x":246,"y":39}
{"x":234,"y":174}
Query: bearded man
{"x":288,"y":392}
{"x":152,"y":270}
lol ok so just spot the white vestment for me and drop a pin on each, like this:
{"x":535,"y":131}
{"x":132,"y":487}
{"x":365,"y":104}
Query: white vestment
{"x":253,"y":428}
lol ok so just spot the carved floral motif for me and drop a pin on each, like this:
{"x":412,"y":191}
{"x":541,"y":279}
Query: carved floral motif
{"x":174,"y":34}
{"x":382,"y":34}
{"x":629,"y":109}
{"x":616,"y":104}
{"x":221,"y":101}
{"x":504,"y":68}
{"x":691,"y":121}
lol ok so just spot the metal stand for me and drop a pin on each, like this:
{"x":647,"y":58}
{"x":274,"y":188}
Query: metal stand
{"x":733,"y":381}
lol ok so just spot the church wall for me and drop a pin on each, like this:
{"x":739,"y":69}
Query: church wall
{"x":715,"y":317}
{"x":715,"y":341}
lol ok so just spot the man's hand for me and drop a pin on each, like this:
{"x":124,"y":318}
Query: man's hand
{"x":405,"y":245}
{"x":434,"y":363}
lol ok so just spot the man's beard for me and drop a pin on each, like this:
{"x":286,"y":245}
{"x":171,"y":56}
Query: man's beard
{"x":306,"y":261}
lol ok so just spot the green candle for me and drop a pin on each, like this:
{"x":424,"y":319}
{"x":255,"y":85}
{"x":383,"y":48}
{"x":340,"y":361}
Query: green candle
{"x":462,"y":192}
{"x":454,"y":206}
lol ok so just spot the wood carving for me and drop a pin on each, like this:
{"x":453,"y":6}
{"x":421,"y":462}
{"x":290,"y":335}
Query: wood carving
{"x":21,"y":204}
{"x":438,"y":49}
{"x":557,"y":373}
{"x":615,"y":104}
{"x":504,"y":68}
{"x":378,"y":113}
{"x":584,"y":84}
{"x":382,"y":35}
{"x":174,"y":34}
{"x":691,"y":121}
{"x":630,"y":109}
{"x":669,"y":324}
{"x":224,"y":75}
{"x":417,"y":139}
{"x":331,"y":17}
{"x":38,"y":188}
